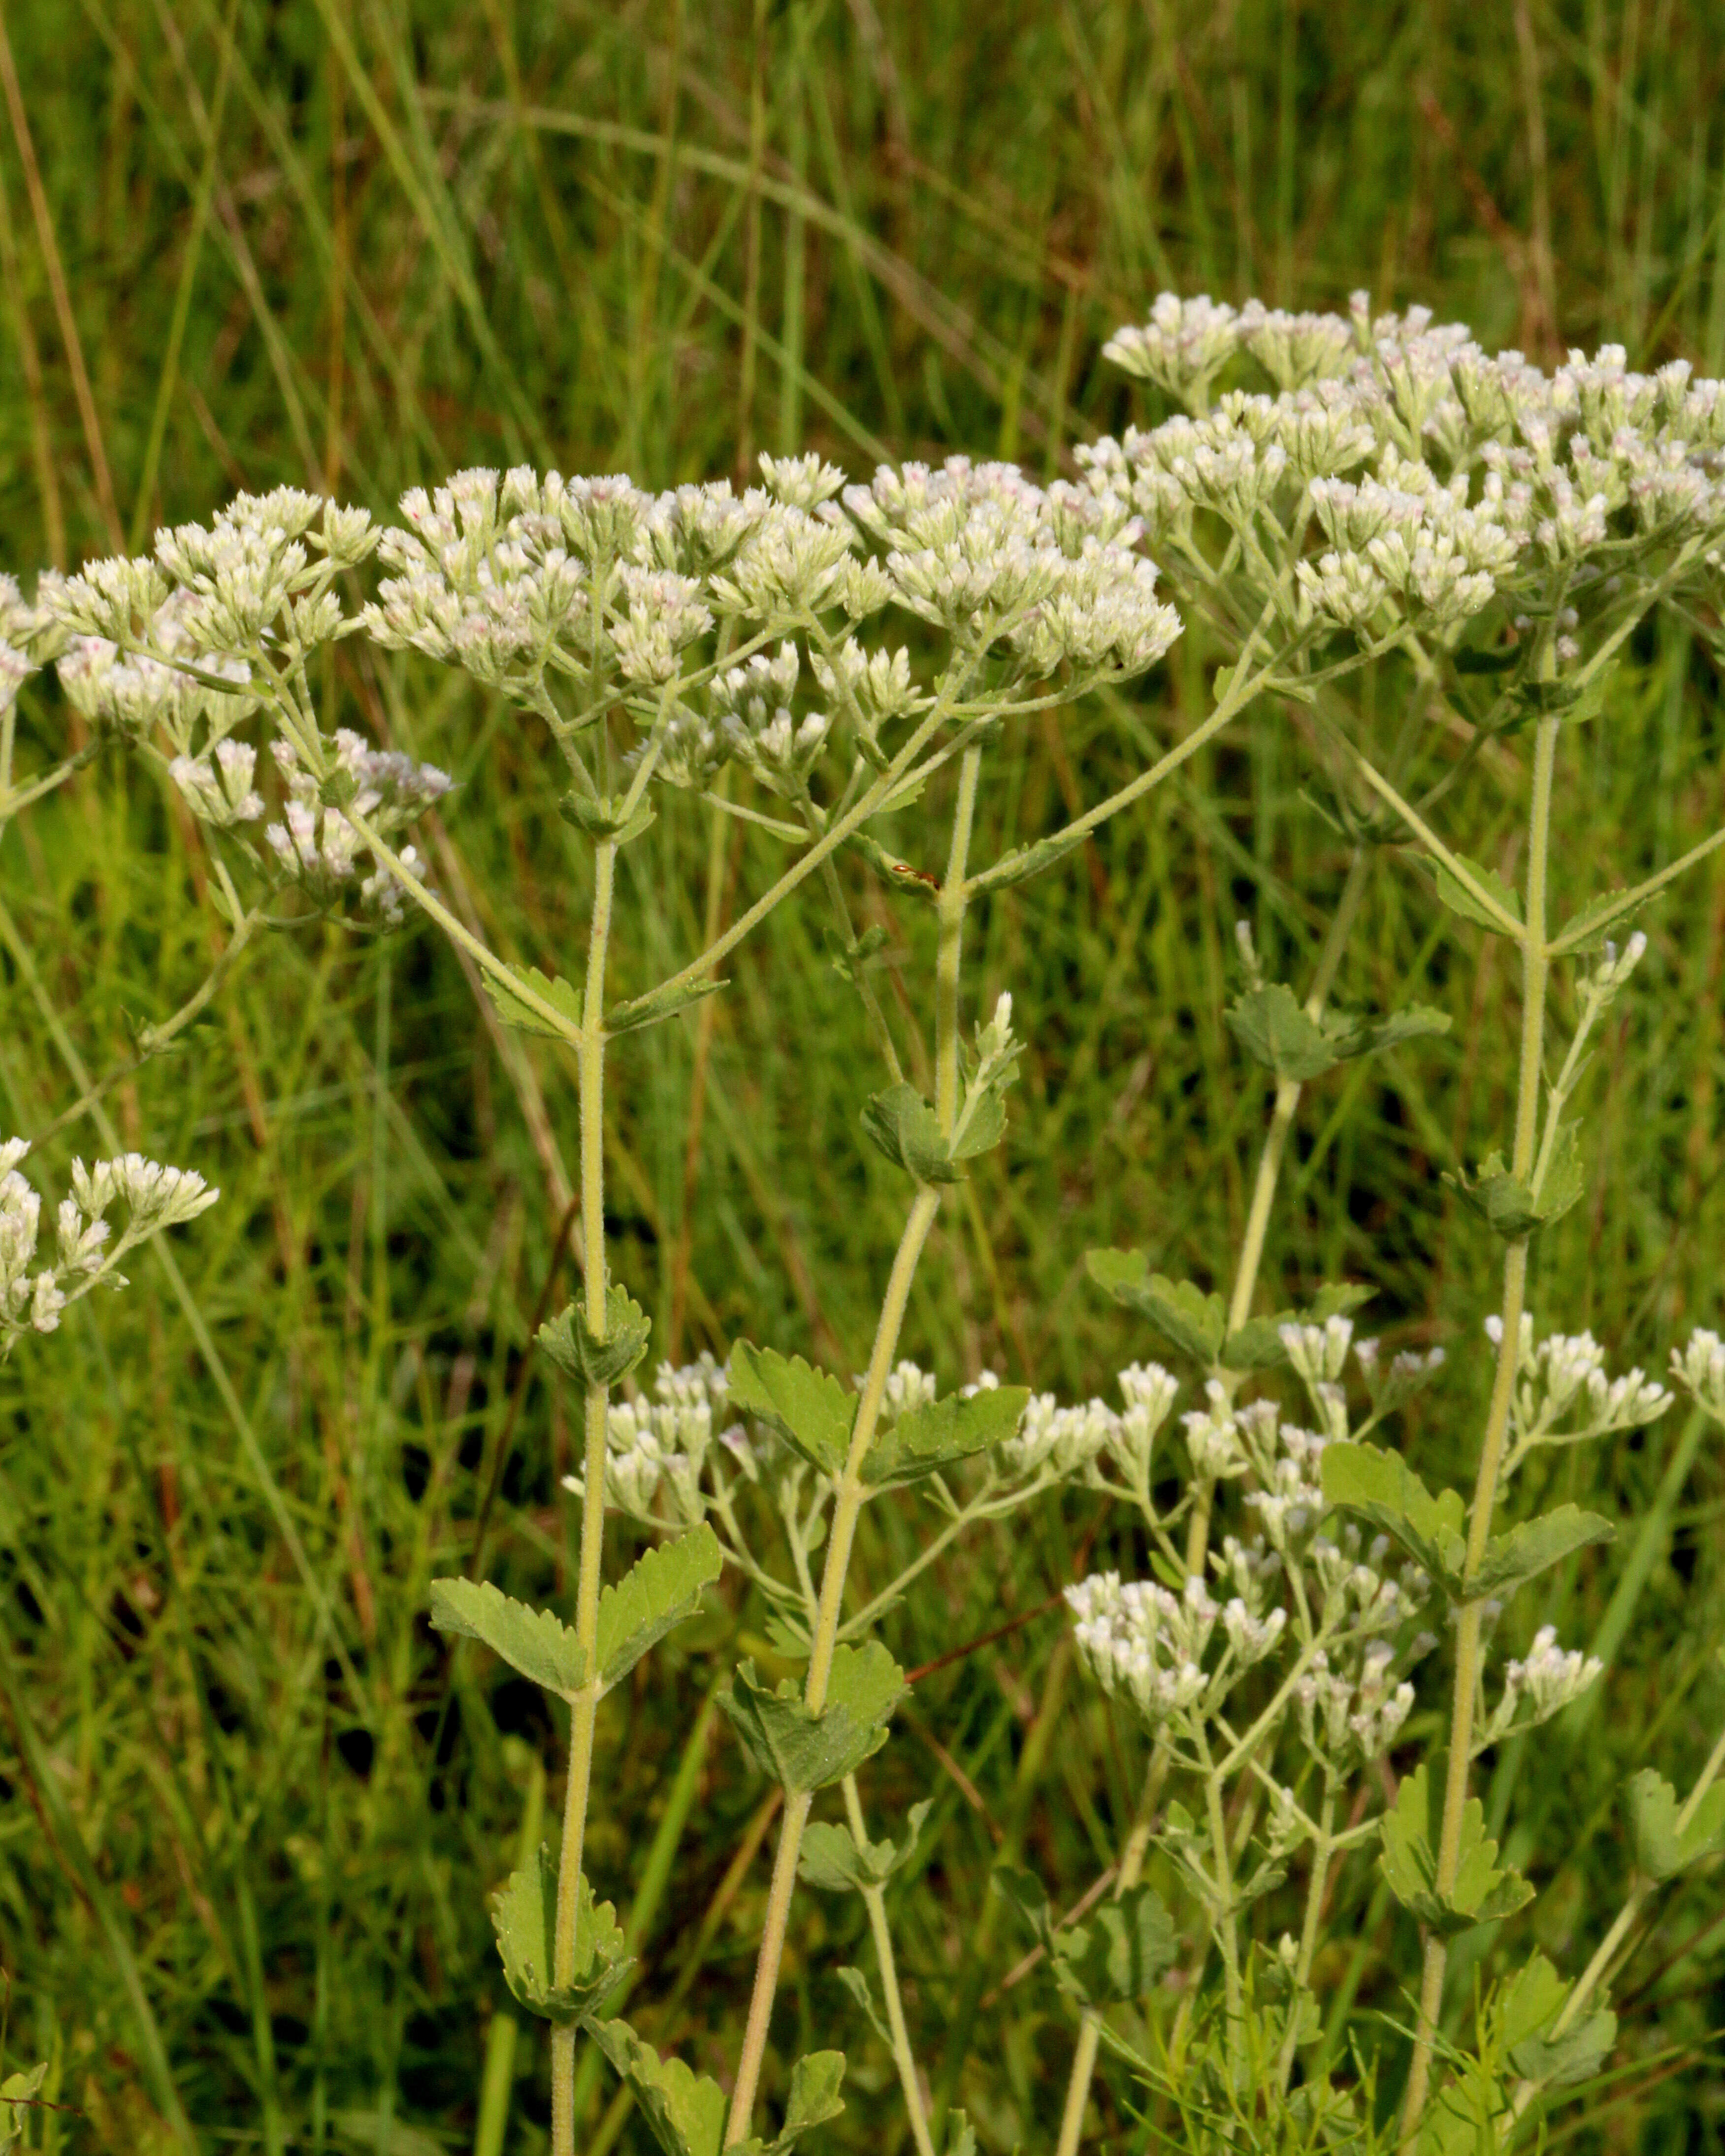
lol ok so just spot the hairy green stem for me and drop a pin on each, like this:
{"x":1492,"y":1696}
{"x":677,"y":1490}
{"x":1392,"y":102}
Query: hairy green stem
{"x":874,"y":1900}
{"x":851,"y":1492}
{"x":585,"y":1709}
{"x":1535,"y":963}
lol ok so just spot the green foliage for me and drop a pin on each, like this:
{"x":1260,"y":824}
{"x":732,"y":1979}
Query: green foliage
{"x":801,"y":1750}
{"x":1513,"y":1207}
{"x":835,"y":1861}
{"x":1380,"y":1488}
{"x":1457,"y":896}
{"x":685,"y":2111}
{"x":569,"y":1340}
{"x":1481,"y":1894}
{"x":1113,"y":1956}
{"x":810,"y":1409}
{"x":1191,"y":1322}
{"x":18,"y":2093}
{"x":662,"y":1587}
{"x":524,"y":1916}
{"x":1662,"y":1849}
{"x":926,"y":1440}
{"x":904,"y":1127}
{"x":533,"y":1641}
{"x":515,"y":1010}
{"x":1275,"y":1030}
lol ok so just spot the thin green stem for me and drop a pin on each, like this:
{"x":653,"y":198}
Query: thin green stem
{"x":874,"y":1900}
{"x":851,"y":1492}
{"x":1308,"y":1930}
{"x":850,"y":1496}
{"x":585,"y":1708}
{"x":1639,"y":1895}
{"x":1536,"y":964}
{"x":841,"y":913}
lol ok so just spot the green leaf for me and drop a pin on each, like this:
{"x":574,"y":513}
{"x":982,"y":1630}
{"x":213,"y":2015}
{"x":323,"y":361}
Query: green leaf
{"x":1022,"y":1892}
{"x":604,"y":817}
{"x":515,"y":1010}
{"x":982,"y":1130}
{"x":834,"y":1862}
{"x":1336,"y":1299}
{"x":1574,"y":2056}
{"x":1274,"y":1027}
{"x":930,"y":1438}
{"x":1189,"y":1320}
{"x":1117,"y":1952}
{"x":813,"y":2098}
{"x":685,"y":2111}
{"x":1523,"y":1553}
{"x":531,"y":1640}
{"x":17,"y":2095}
{"x":1481,"y":1893}
{"x":524,"y":1917}
{"x":1455,"y":895}
{"x":898,"y":874}
{"x":1513,"y":1207}
{"x":1380,"y":1488}
{"x":662,"y":1587}
{"x":1603,"y":917}
{"x":662,"y":1003}
{"x":1530,"y":2003}
{"x":804,"y":1751}
{"x":960,"y":2135}
{"x":857,"y":1985}
{"x":1271,"y":1025}
{"x":810,"y":1411}
{"x":569,"y":1341}
{"x":905,"y":1128}
{"x":1660,"y":1851}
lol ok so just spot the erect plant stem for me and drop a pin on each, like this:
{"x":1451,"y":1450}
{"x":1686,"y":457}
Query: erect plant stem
{"x":592,"y":1069}
{"x":874,"y":1900}
{"x":1536,"y":968}
{"x":851,"y":1491}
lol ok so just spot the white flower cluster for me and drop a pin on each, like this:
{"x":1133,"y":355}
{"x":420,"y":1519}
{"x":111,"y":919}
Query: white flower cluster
{"x":1359,"y":1593}
{"x":1542,"y":1685}
{"x":134,"y":691}
{"x":752,"y":704}
{"x":1566,"y":1371}
{"x":1289,"y":1500}
{"x":990,"y":556}
{"x":1140,"y":1638}
{"x":1058,"y":1442}
{"x":259,"y":576}
{"x":910,"y":1387}
{"x":1354,"y":1714}
{"x":1699,"y":1366}
{"x":156,"y":1198}
{"x":657,"y":1449}
{"x":1582,"y":469}
{"x":315,"y":843}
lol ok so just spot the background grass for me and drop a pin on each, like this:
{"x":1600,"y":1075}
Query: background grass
{"x":250,"y":1807}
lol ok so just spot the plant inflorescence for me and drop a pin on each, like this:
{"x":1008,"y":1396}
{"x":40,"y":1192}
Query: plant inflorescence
{"x":1382,"y":502}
